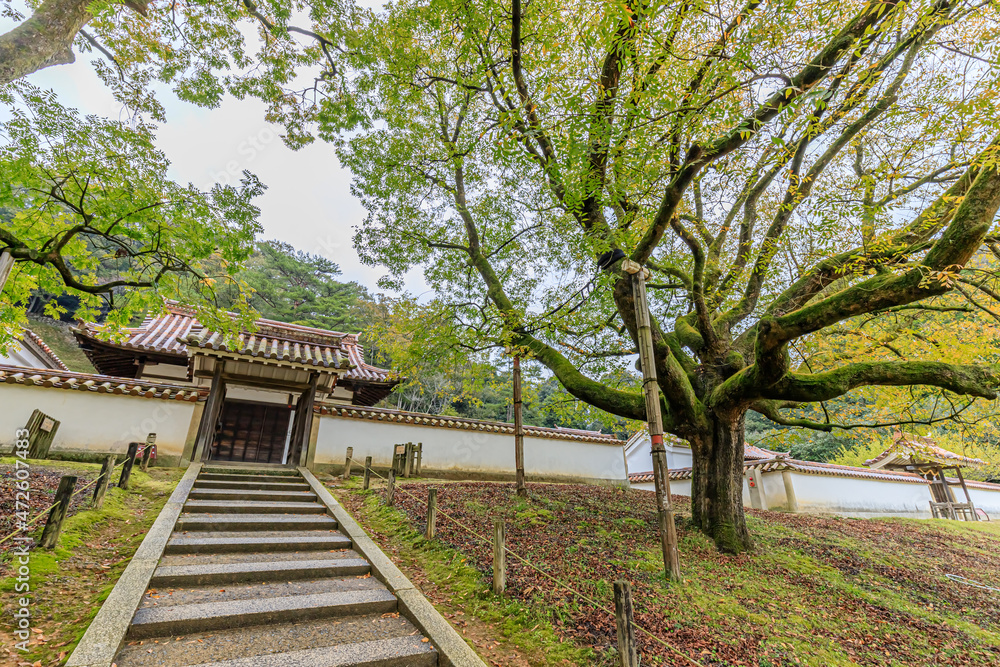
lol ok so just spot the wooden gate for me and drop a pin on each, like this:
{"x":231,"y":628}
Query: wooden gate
{"x":251,"y":432}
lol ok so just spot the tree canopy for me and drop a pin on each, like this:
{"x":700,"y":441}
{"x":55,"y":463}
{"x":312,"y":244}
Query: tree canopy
{"x":88,"y":206}
{"x":782,"y":169}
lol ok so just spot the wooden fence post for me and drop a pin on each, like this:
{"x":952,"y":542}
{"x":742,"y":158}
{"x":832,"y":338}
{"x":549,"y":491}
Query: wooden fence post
{"x":41,"y":432}
{"x":408,"y":459}
{"x":626,"y":626}
{"x":102,"y":484}
{"x":53,"y":525}
{"x":420,"y":457}
{"x":499,"y":557}
{"x":390,"y":490}
{"x":144,"y":461}
{"x":432,"y":512}
{"x":368,"y":472}
{"x":347,"y":463}
{"x":133,"y":448}
{"x":147,"y":453}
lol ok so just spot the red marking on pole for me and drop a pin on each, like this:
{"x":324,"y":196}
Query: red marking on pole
{"x":656,"y":439}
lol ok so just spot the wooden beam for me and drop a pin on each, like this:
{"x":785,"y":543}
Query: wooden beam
{"x":209,"y":417}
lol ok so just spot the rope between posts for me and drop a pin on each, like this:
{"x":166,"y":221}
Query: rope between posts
{"x":958,"y":579}
{"x":49,"y":508}
{"x":597,"y":605}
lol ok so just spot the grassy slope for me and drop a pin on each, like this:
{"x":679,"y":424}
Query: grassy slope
{"x":818,"y":591}
{"x":70,"y":582}
{"x":58,"y":337}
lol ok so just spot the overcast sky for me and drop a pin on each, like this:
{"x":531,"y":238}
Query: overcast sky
{"x":308,"y":202}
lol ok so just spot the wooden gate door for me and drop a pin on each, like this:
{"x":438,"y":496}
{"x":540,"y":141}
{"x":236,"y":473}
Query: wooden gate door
{"x":251,"y":432}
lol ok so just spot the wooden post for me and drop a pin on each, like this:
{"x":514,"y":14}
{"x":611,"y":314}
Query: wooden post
{"x":518,"y":431}
{"x":210,"y":415}
{"x":144,"y":461}
{"x":390,"y":490}
{"x":41,"y":432}
{"x":347,"y":463}
{"x":408,"y":459}
{"x":50,"y":535}
{"x":432,"y":511}
{"x":102,"y":484}
{"x":147,"y":453}
{"x":664,"y":506}
{"x":133,"y":449}
{"x":499,"y":557}
{"x":368,"y":472}
{"x":420,"y":457}
{"x":968,"y":498}
{"x":627,"y":651}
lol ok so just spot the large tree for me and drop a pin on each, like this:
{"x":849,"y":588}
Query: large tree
{"x":781,"y":168}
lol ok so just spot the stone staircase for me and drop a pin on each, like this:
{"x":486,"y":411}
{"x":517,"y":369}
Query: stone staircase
{"x":257,"y":574}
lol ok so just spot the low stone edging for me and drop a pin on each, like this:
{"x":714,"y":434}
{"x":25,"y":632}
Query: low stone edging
{"x":452,"y":649}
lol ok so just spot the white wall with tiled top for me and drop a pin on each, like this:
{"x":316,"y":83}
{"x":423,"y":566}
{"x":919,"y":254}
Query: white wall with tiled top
{"x":97,"y":423}
{"x":465,"y":452}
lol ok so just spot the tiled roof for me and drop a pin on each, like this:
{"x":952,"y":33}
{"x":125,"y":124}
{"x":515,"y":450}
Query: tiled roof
{"x":103,"y":384}
{"x":418,"y":419}
{"x":269,"y":347}
{"x":31,"y":337}
{"x":814,"y":468}
{"x":173,"y":332}
{"x":753,"y":452}
{"x":908,"y":450}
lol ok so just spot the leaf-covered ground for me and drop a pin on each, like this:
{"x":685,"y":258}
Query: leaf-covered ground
{"x":44,"y":480}
{"x":69,"y":582}
{"x":817,"y":591}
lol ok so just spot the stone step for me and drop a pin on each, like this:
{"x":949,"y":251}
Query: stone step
{"x":168,"y":596}
{"x":251,"y":557}
{"x":183,"y":619}
{"x":185,"y":544}
{"x":223,"y":522}
{"x":252,"y":507}
{"x":235,"y":477}
{"x":396,"y":652}
{"x":233,"y":468}
{"x":285,"y":570}
{"x":292,"y":485}
{"x":260,"y":642}
{"x":243,"y":494}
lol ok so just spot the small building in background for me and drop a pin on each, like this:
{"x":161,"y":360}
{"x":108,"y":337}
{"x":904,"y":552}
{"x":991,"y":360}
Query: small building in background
{"x":32,"y":352}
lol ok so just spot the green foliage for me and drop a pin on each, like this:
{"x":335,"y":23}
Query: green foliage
{"x":86,"y":197}
{"x":441,"y":375}
{"x":288,"y":285}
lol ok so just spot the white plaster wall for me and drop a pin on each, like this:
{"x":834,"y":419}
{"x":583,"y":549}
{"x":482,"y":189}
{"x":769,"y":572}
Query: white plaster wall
{"x":97,"y":423}
{"x":462,"y":451}
{"x":985,"y":499}
{"x":640,"y":456}
{"x":848,"y":496}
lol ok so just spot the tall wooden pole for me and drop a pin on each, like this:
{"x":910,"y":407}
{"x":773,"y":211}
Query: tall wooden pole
{"x":518,"y":430}
{"x":664,"y":507}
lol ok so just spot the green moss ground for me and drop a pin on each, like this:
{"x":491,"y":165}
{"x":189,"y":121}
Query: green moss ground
{"x":70,"y":581}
